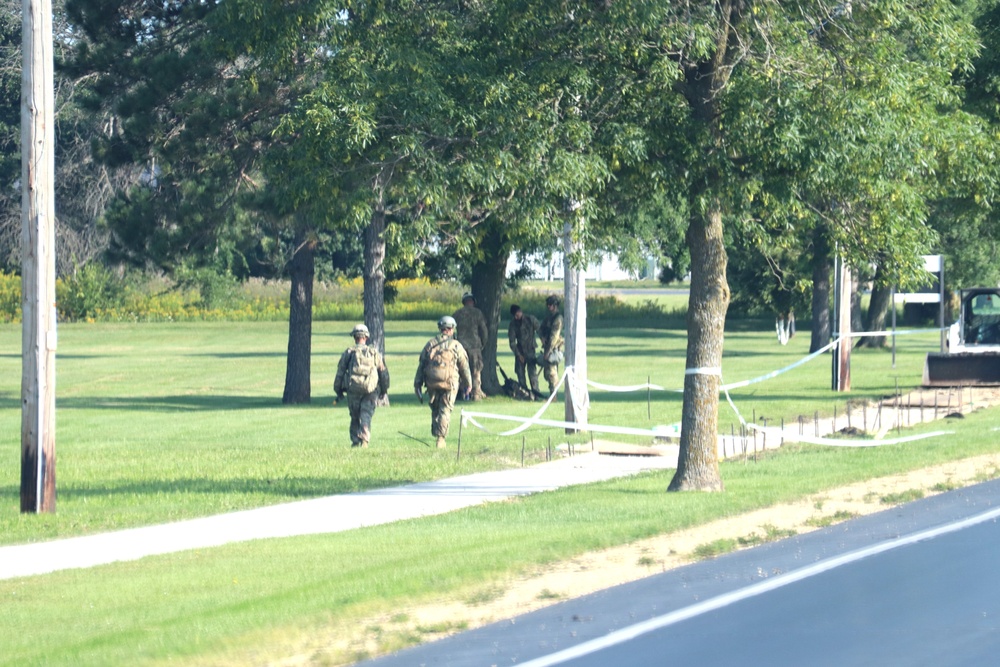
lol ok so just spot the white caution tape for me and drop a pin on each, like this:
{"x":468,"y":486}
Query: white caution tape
{"x":634,"y":387}
{"x":526,"y":422}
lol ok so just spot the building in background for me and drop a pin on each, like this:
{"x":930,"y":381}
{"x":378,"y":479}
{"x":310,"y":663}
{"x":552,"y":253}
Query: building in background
{"x":606,"y":268}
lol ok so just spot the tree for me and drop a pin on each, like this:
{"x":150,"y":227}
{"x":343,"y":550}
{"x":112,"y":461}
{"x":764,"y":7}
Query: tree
{"x":83,"y":186}
{"x":194,"y":92}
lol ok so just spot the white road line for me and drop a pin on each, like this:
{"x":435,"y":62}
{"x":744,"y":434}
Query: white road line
{"x":653,"y":624}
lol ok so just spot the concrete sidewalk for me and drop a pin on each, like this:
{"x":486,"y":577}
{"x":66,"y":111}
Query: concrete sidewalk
{"x":322,"y":515}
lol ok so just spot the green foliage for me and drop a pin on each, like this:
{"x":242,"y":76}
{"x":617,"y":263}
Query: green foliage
{"x":96,"y":294}
{"x":217,"y":289}
{"x":89,"y":292}
{"x":10,"y":297}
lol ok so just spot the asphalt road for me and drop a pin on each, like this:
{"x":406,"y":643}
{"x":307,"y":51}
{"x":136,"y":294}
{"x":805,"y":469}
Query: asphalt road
{"x":914,"y":585}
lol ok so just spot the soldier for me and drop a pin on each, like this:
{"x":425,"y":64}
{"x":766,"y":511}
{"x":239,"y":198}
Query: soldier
{"x":471,"y":332}
{"x":552,"y":342}
{"x":442,"y":367}
{"x":362,"y":375}
{"x":521,"y":335}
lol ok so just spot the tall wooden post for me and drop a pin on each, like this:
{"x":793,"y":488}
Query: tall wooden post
{"x":38,"y":269}
{"x":575,"y":328}
{"x":842,"y":307}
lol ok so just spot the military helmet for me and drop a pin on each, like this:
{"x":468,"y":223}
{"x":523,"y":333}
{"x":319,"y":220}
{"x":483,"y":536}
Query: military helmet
{"x":360,"y":330}
{"x":552,"y":300}
{"x":468,"y":295}
{"x":446,"y":322}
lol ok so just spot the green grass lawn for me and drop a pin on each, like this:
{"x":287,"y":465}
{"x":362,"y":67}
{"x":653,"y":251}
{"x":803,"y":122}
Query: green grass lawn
{"x":157,"y":422}
{"x":167,"y":421}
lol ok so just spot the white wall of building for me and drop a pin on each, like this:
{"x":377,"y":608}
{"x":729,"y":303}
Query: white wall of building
{"x":607,"y":268}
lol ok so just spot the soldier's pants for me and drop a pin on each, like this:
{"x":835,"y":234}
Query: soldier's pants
{"x":362,"y":409}
{"x":551,"y":374}
{"x":476,"y":371}
{"x":530,"y":364}
{"x":441,"y":402}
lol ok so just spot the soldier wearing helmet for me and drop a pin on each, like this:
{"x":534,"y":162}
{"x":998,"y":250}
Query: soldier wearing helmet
{"x":550,"y":333}
{"x":363,"y":377}
{"x":472,"y":334}
{"x":442,"y":368}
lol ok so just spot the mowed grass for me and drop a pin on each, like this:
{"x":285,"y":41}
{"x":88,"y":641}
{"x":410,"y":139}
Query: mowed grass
{"x":161,"y":422}
{"x":158,"y":422}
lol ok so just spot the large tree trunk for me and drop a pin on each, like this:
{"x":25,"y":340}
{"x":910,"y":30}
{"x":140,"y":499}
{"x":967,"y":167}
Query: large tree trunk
{"x":487,"y":283}
{"x":698,"y":461}
{"x":302,"y":269}
{"x":878,"y":310}
{"x":822,"y":266}
{"x":374,"y":281}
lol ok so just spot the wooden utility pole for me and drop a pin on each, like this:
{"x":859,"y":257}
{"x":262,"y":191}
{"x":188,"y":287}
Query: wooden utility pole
{"x":38,"y":267}
{"x":842,"y":309}
{"x":575,"y":328}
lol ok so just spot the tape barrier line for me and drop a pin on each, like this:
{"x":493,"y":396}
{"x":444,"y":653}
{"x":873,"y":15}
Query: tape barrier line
{"x":527,"y":422}
{"x":630,"y":388}
{"x":767,"y":376}
{"x":900,"y":332}
{"x":773,"y":374}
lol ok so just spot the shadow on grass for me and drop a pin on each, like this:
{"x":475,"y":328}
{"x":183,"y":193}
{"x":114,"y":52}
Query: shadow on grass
{"x":286,"y":487}
{"x":176,"y":403}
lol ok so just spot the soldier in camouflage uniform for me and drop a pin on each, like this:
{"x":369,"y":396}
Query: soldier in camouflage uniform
{"x":472,"y":334}
{"x":552,"y":342}
{"x":443,"y":367}
{"x":521,"y":335}
{"x":360,"y":401}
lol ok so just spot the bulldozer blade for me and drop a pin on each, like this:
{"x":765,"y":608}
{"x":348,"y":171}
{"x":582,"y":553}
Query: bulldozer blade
{"x":962,"y":368}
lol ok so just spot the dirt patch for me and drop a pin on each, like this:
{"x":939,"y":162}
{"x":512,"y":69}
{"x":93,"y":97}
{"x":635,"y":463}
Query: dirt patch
{"x":590,"y":572}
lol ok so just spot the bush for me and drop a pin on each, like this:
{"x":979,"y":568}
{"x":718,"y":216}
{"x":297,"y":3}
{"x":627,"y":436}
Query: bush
{"x":10,"y":297}
{"x":95,"y":293}
{"x":92,"y":289}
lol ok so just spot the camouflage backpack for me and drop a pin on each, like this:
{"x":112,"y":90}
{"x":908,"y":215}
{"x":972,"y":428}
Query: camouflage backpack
{"x":363,"y":377}
{"x":442,"y":360}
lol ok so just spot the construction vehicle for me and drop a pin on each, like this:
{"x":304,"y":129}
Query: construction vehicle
{"x":973,"y":343}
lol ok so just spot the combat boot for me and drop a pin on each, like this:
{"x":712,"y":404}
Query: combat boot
{"x":440,"y":442}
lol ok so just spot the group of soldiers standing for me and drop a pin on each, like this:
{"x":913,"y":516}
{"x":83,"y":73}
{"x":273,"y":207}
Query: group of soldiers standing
{"x":450,"y":365}
{"x":521,"y":335}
